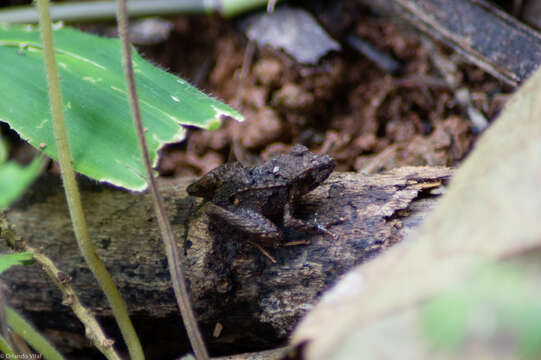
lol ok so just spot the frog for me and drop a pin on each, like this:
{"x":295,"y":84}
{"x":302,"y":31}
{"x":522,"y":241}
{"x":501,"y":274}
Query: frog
{"x":257,"y":202}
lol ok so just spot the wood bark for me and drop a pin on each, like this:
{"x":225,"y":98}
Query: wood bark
{"x":233,"y":284}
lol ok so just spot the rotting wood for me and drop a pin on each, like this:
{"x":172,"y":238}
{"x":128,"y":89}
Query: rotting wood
{"x":275,"y":354}
{"x":488,"y":37}
{"x":233,"y":284}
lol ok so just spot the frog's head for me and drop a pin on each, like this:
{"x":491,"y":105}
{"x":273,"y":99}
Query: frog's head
{"x":209,"y":183}
{"x":311,"y":169}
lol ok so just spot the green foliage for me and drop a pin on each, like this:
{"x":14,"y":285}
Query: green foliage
{"x":100,"y":130}
{"x":3,"y":151}
{"x":16,"y":322}
{"x":9,"y":260}
{"x":23,"y":328}
{"x":5,"y":347}
{"x":498,"y":301}
{"x":14,"y":179}
{"x":445,"y":320}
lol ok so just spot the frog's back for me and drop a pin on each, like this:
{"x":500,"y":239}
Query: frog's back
{"x":231,"y":186}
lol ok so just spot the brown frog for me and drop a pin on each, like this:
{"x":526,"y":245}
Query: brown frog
{"x":257,"y":202}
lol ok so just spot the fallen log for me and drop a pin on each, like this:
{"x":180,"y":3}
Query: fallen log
{"x":234,"y":287}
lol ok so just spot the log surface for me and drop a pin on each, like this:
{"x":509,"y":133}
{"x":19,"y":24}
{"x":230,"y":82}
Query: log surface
{"x":231,"y":283}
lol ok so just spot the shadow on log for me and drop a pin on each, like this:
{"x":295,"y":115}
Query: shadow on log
{"x":256,"y":302}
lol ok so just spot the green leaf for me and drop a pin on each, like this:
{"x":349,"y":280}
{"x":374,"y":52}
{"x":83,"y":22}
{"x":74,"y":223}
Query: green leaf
{"x":23,"y":328}
{"x":100,"y":127}
{"x":5,"y":348}
{"x":9,"y":260}
{"x":498,"y":299}
{"x":14,"y":179}
{"x":3,"y":150}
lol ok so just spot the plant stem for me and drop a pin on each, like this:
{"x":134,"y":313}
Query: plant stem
{"x":93,"y":330}
{"x":102,"y":10}
{"x":21,"y":327}
{"x":6,"y":349}
{"x":173,"y":256}
{"x":86,"y":248}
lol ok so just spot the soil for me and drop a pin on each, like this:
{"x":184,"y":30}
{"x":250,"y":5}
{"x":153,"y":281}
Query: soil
{"x":346,"y":107}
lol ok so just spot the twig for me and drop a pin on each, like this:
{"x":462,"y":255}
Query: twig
{"x":486,"y":36}
{"x":173,"y":256}
{"x":382,"y":60}
{"x":93,"y":329}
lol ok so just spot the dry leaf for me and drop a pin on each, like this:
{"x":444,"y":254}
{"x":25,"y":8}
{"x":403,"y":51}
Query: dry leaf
{"x":490,"y":211}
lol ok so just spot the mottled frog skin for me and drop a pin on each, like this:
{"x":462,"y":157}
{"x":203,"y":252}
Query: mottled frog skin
{"x":256,"y":202}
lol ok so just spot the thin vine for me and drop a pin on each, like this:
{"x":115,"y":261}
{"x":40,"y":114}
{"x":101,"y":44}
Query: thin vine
{"x":73,"y":197}
{"x":172,"y":253}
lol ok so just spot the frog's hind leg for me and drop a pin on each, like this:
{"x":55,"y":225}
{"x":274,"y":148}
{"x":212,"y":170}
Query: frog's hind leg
{"x":301,"y":226}
{"x":254,"y":227}
{"x":250,"y":223}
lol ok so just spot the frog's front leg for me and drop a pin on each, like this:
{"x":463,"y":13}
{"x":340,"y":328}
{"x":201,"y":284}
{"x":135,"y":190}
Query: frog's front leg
{"x":254,"y":225}
{"x":299,"y":225}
